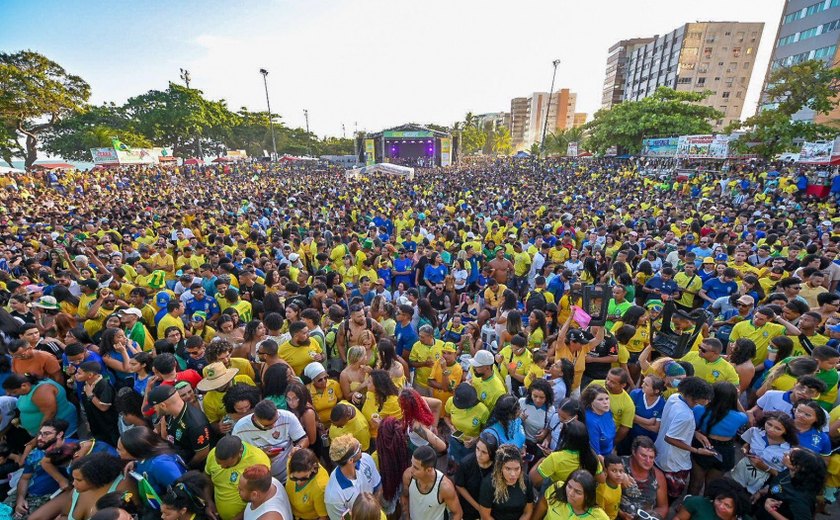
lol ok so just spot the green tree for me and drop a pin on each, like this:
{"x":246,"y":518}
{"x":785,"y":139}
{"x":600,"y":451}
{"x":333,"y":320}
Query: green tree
{"x":35,"y":95}
{"x":812,"y":84}
{"x":666,"y":112}
{"x":472,"y":138}
{"x":178,"y":116}
{"x":558,"y":143}
{"x":502,"y":143}
{"x":335,"y":146}
{"x":92,"y":127}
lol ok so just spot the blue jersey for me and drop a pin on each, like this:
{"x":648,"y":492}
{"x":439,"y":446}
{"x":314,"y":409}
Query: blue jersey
{"x":645,"y":412}
{"x":207,"y":305}
{"x":406,"y":338}
{"x":601,"y":431}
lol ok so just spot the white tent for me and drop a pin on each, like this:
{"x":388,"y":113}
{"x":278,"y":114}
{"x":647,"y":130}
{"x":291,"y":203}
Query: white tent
{"x":393,"y":169}
{"x":6,"y":169}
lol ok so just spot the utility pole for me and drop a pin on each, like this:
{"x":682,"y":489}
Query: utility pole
{"x":185,"y":75}
{"x":548,"y":106}
{"x":306,"y":116}
{"x":343,"y":132}
{"x":270,"y":119}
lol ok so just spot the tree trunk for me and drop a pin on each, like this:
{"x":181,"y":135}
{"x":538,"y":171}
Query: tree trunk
{"x":31,"y":149}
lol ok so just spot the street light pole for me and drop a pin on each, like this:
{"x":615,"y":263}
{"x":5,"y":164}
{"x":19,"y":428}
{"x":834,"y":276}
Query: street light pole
{"x":270,"y":119}
{"x":185,"y":75}
{"x":548,"y":106}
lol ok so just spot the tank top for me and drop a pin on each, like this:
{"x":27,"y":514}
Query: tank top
{"x":279,"y":503}
{"x":75,"y":496}
{"x":426,"y":506}
{"x":31,"y":416}
{"x":643,"y":496}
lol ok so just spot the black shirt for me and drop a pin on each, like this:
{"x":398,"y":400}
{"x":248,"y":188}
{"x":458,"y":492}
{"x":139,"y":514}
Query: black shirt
{"x":608,"y":347}
{"x":189,"y":432}
{"x":469,"y":476}
{"x":514,"y":506}
{"x":102,"y":424}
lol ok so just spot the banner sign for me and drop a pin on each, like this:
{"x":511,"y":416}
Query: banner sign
{"x":572,"y":149}
{"x":445,"y":151}
{"x":370,"y":152}
{"x":104,"y":156}
{"x":664,"y":147}
{"x":694,"y":146}
{"x":137,"y":156}
{"x":719,"y":149}
{"x":401,"y":135}
{"x":816,"y":152}
{"x":236,"y":154}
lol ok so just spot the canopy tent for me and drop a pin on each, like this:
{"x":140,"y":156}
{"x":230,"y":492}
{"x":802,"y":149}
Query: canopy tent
{"x":6,"y":169}
{"x":193,"y":161}
{"x":222,"y":160}
{"x":53,"y":166}
{"x":393,"y":169}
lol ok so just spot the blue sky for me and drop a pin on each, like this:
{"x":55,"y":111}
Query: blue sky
{"x":375,"y":62}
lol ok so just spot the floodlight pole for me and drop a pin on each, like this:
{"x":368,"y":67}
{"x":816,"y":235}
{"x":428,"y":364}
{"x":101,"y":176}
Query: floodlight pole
{"x":548,"y":106}
{"x":264,"y":73}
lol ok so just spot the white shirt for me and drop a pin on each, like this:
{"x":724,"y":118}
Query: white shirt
{"x":8,"y":405}
{"x":341,"y":492}
{"x":779,"y":401}
{"x":536,"y":267}
{"x":278,"y":503}
{"x":286,"y":431}
{"x":677,"y":423}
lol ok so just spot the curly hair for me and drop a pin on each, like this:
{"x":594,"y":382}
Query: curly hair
{"x":506,"y":453}
{"x":414,"y":408}
{"x":727,"y":488}
{"x":215,"y":348}
{"x":240,"y":392}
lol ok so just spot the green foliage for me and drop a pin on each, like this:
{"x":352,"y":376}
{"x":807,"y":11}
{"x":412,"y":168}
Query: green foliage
{"x":35,"y":95}
{"x":502,"y":143}
{"x":178,"y":115}
{"x":473,"y":138}
{"x":92,"y":127}
{"x":666,"y":112}
{"x":558,"y":144}
{"x":811,"y":84}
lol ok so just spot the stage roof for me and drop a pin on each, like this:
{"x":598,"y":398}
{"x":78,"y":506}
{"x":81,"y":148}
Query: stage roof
{"x":410,"y":130}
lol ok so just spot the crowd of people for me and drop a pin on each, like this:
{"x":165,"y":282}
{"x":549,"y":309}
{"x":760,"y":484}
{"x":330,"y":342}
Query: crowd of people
{"x":500,"y":339}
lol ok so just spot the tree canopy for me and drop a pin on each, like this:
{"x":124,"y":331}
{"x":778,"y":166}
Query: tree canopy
{"x":811,"y":84}
{"x":36,"y":94}
{"x":666,"y":112}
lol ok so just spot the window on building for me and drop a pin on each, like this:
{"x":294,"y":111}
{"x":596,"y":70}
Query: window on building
{"x":725,"y":95}
{"x":736,"y":52}
{"x":730,"y":80}
{"x":717,"y":78}
{"x":707,"y":52}
{"x":687,"y":66}
{"x":733,"y":66}
{"x":738,"y":94}
{"x":710,"y":38}
{"x":746,"y":65}
{"x":694,"y":35}
{"x":740,"y":36}
{"x":808,"y":33}
{"x":701,"y":81}
{"x":684,"y":81}
{"x":703,"y":67}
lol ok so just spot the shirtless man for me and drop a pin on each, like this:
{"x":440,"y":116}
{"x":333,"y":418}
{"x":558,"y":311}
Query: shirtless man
{"x":357,"y":324}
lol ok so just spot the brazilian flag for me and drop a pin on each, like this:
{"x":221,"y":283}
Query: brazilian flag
{"x":119,"y":145}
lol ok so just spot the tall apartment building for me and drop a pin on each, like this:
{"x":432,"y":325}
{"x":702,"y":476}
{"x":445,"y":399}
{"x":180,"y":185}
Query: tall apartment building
{"x":494,"y":119}
{"x":580,"y":119}
{"x":528,"y":116}
{"x":808,"y":29}
{"x":714,"y":56}
{"x":617,"y":58}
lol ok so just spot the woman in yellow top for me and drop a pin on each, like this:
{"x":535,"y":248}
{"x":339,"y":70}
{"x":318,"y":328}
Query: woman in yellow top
{"x":573,"y":297}
{"x":306,"y":485}
{"x":381,"y":401}
{"x":638,"y":317}
{"x":353,"y":378}
{"x":573,"y":345}
{"x":537,"y":330}
{"x":573,"y":499}
{"x":325,"y":392}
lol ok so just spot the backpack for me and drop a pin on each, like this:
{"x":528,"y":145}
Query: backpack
{"x":536,"y":301}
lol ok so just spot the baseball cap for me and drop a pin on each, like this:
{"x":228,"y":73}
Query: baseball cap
{"x":482,"y":358}
{"x":162,"y":299}
{"x":465,"y":396}
{"x":834,"y":328}
{"x":133,"y":311}
{"x":199,"y":316}
{"x":161,"y":394}
{"x":577,"y":336}
{"x":294,"y":257}
{"x":449,"y":347}
{"x":721,"y":257}
{"x":45,"y":302}
{"x":746,"y":300}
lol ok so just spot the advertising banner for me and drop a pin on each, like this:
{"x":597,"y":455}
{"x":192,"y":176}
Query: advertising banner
{"x":370,"y":152}
{"x":816,"y":152}
{"x":664,"y":147}
{"x":236,"y":154}
{"x":104,"y":156}
{"x":392,"y":134}
{"x":694,"y":146}
{"x":137,"y":156}
{"x":445,"y":151}
{"x":572,"y":149}
{"x":719,"y":149}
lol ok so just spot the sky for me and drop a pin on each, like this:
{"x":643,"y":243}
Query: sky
{"x":365,"y":64}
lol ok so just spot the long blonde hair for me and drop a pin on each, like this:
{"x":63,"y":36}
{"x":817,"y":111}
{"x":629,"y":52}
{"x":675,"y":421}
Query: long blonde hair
{"x":506,"y":453}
